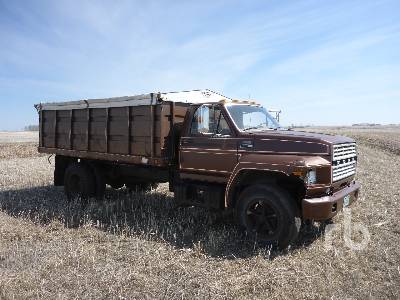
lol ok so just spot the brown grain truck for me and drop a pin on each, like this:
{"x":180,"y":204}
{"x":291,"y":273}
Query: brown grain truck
{"x":214,"y":152}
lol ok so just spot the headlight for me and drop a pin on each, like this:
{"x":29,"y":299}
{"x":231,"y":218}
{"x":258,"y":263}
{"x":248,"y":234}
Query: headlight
{"x":311,"y":177}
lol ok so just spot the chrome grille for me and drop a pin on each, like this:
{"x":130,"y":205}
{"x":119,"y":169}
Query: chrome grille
{"x":344,"y":161}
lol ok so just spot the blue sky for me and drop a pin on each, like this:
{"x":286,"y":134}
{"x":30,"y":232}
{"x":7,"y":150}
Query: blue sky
{"x":321,"y":62}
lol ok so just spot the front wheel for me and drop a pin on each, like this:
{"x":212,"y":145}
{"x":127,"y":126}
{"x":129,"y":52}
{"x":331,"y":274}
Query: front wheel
{"x":269,"y":214}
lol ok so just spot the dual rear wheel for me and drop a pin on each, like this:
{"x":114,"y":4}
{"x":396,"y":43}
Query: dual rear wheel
{"x":79,"y":182}
{"x":82,"y":182}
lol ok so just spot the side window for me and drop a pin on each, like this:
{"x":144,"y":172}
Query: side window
{"x":208,"y":120}
{"x":201,"y":121}
{"x":222,"y":125}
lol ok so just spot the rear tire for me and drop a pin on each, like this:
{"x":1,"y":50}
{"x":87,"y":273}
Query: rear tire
{"x":79,"y":182}
{"x":269,"y":214}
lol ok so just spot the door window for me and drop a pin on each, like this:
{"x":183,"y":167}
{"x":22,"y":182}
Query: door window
{"x":222,"y":127}
{"x":209,"y":120}
{"x":201,"y":121}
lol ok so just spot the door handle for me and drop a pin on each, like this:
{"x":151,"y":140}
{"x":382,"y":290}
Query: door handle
{"x":246,"y":145}
{"x":186,"y":142}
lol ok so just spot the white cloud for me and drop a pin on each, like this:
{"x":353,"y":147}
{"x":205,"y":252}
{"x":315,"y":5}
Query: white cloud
{"x":293,"y":54}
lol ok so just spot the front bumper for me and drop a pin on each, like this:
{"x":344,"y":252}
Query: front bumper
{"x":326,"y":207}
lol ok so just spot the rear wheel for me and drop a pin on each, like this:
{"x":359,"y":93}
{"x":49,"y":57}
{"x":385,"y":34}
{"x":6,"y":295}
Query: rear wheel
{"x":79,"y":182}
{"x":269,"y":213}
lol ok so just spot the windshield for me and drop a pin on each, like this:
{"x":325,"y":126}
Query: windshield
{"x":251,"y":117}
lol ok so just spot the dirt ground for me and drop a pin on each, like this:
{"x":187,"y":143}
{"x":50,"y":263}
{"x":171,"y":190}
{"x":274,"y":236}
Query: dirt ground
{"x":140,"y":246}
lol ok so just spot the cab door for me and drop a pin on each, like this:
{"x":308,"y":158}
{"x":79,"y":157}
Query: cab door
{"x":209,"y":149}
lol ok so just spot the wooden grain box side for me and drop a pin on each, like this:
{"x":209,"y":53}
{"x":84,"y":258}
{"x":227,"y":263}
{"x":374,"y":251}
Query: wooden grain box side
{"x":97,"y":130}
{"x":63,"y":128}
{"x":48,"y":129}
{"x":145,"y":130}
{"x":78,"y":134}
{"x":132,"y":131}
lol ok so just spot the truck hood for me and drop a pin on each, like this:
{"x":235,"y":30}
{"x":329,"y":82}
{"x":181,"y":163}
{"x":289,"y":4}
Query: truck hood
{"x":295,"y":142}
{"x":304,"y":135}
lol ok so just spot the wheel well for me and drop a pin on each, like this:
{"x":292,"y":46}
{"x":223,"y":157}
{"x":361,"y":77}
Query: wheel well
{"x":292,"y":184}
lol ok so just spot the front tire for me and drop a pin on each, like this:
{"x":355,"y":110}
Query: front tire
{"x":269,"y":213}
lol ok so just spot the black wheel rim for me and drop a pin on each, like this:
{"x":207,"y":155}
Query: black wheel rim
{"x":263,"y":219}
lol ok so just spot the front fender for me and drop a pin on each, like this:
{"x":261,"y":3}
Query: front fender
{"x":280,"y":164}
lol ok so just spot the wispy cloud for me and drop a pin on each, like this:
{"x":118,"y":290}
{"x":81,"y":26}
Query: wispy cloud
{"x":338,"y":50}
{"x":293,"y":54}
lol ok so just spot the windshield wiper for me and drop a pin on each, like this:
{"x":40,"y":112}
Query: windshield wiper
{"x":249,"y":128}
{"x":263,"y":128}
{"x":259,"y":126}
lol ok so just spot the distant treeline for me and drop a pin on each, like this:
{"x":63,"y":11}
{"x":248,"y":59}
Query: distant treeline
{"x":31,"y":128}
{"x":366,"y":124}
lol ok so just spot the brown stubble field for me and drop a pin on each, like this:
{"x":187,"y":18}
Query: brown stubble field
{"x":140,"y":246}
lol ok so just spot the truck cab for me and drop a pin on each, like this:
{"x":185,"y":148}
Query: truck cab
{"x":267,"y":174}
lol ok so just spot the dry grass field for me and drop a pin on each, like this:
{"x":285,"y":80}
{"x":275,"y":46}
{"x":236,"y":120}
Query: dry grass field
{"x":140,"y":246}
